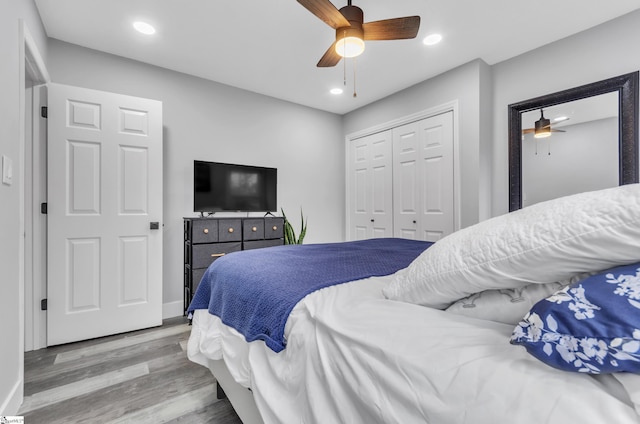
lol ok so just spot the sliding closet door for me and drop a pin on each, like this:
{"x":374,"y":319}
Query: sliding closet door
{"x":370,"y":201}
{"x":423,"y":178}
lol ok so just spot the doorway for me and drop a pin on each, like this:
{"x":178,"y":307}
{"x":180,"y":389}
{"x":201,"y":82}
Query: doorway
{"x":32,"y":248}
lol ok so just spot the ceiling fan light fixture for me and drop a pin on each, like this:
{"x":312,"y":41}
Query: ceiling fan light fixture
{"x":542,"y":129}
{"x":349,"y":41}
{"x":350,"y":47}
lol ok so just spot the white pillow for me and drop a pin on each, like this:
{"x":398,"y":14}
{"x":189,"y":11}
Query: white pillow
{"x":542,"y":243}
{"x":508,"y":305}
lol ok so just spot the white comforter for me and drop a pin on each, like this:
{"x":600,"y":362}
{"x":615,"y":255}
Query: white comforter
{"x":355,"y":357}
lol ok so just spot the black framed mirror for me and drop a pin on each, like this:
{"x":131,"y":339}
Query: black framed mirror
{"x":627,"y":88}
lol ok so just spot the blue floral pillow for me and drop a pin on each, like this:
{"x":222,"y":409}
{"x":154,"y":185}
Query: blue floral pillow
{"x":592,"y":326}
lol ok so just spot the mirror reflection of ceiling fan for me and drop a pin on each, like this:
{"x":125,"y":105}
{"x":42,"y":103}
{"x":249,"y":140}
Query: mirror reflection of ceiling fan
{"x":352,"y":32}
{"x":542,"y":127}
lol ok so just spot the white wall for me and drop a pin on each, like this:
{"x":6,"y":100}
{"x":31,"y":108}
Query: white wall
{"x":11,"y":286}
{"x":599,"y":53}
{"x":470,"y":85}
{"x":210,"y":121}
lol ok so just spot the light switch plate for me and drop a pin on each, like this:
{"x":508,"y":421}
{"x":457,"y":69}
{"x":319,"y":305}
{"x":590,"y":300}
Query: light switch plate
{"x":7,"y":170}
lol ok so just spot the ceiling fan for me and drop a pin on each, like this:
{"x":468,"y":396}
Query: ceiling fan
{"x":542,"y":127}
{"x":352,"y":32}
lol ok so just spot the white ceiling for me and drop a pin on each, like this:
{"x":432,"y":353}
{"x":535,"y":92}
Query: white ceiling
{"x":271,"y":47}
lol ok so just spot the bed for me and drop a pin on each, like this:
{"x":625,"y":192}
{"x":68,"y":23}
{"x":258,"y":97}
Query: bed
{"x":527,"y":318}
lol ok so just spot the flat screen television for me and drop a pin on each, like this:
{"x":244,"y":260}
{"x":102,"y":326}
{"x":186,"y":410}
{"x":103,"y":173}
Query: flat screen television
{"x":228,"y":187}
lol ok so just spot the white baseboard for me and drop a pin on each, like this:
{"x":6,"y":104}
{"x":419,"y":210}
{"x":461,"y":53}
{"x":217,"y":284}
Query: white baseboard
{"x":11,"y":404}
{"x":172,"y":309}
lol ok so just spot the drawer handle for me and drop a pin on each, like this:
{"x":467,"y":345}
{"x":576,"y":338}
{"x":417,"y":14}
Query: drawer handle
{"x":254,"y":229}
{"x":206,"y":231}
{"x":230,"y":230}
{"x":217,"y":255}
{"x":274,"y":228}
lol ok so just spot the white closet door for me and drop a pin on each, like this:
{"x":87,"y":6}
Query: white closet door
{"x":423,"y":178}
{"x":104,"y":190}
{"x":370,"y":201}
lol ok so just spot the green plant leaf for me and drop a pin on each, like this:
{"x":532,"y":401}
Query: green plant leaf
{"x":289,"y":232}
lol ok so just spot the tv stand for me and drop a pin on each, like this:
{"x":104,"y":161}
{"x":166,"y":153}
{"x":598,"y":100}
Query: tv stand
{"x":207,"y":239}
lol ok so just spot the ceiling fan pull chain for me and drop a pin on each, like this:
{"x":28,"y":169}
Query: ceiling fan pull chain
{"x":536,"y":141}
{"x":354,"y":78}
{"x":344,"y":62}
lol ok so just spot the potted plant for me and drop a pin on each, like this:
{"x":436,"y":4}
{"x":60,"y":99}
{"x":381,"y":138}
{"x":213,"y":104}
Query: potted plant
{"x":289,"y":232}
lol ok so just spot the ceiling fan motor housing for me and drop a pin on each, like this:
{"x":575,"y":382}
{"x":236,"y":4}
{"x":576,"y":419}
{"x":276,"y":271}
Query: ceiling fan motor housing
{"x":355,"y":16}
{"x":542,"y":123}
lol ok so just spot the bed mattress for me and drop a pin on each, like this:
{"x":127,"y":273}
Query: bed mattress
{"x":353,"y":356}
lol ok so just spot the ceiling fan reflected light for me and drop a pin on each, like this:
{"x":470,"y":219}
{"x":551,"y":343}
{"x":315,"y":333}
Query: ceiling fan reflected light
{"x":542,"y":127}
{"x":352,"y":32}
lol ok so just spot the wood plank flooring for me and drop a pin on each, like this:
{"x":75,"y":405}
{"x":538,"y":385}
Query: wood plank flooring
{"x":138,"y":377}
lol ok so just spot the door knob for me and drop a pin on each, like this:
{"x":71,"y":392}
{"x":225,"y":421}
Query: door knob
{"x":154,"y":225}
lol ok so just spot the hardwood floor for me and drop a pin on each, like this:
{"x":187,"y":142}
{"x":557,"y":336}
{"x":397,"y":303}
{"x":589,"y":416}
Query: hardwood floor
{"x":138,"y":377}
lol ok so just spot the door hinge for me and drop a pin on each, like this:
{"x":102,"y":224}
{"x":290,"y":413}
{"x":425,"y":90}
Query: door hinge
{"x":43,"y":208}
{"x":44,"y":111}
{"x":43,"y":304}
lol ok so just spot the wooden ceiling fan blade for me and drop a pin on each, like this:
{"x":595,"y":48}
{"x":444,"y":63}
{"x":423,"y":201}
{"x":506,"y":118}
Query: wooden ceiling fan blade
{"x":553,"y":130}
{"x":528,"y":131}
{"x":392,"y":29}
{"x":330,"y":58}
{"x":327,"y":12}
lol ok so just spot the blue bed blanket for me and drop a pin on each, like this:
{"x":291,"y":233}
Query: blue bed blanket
{"x":254,"y":291}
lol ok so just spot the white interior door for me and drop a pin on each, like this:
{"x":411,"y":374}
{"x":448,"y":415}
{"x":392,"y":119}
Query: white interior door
{"x":406,"y":179}
{"x":104,"y":190}
{"x":424,"y":178}
{"x":370,"y":199}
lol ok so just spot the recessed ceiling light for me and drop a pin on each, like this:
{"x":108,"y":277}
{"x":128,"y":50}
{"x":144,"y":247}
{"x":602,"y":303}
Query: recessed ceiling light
{"x":144,"y":28}
{"x":560,"y":118}
{"x":336,"y":91}
{"x":432,"y":39}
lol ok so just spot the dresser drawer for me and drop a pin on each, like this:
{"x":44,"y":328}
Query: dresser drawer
{"x":204,"y":254}
{"x":273,"y":228}
{"x":259,"y":244}
{"x":229,"y":230}
{"x":196,"y":276}
{"x":253,"y":229}
{"x":204,"y":231}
